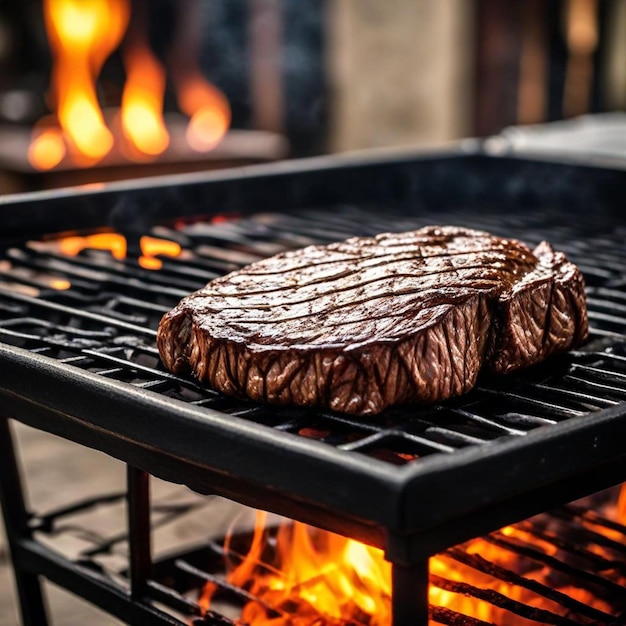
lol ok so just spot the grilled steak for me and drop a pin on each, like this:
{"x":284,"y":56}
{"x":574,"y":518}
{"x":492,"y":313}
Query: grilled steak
{"x":367,"y":323}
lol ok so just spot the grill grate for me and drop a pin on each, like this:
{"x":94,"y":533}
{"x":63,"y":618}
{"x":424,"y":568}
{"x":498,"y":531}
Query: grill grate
{"x":105,"y":322}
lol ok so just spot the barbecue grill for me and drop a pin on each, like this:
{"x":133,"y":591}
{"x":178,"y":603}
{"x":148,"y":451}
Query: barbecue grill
{"x":81,"y":362}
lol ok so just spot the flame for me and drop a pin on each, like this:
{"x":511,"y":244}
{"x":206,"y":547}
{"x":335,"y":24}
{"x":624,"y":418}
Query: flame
{"x":83,"y":33}
{"x":142,"y":103}
{"x":322,"y":572}
{"x":115,"y":243}
{"x":204,"y":103}
{"x":47,"y":149}
{"x":142,"y":99}
{"x":301,"y":576}
{"x":208,"y":109}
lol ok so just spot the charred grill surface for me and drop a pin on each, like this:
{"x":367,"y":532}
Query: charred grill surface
{"x":371,"y":322}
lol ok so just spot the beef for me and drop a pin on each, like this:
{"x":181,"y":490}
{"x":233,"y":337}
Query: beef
{"x":367,"y":323}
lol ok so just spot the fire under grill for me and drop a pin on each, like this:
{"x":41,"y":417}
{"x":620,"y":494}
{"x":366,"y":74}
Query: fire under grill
{"x":78,"y":355}
{"x":584,"y":552}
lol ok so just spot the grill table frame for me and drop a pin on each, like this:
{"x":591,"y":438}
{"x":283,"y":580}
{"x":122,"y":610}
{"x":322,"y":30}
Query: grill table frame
{"x":412,"y":512}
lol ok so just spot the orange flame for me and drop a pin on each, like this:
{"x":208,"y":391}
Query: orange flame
{"x":142,"y":103}
{"x":151,"y":247}
{"x":47,"y":148}
{"x":208,"y":109}
{"x":314,"y":577}
{"x":142,"y":99}
{"x":83,"y":33}
{"x":204,"y":103}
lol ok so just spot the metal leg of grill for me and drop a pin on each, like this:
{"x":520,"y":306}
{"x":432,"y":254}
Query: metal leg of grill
{"x":139,"y":534}
{"x":409,"y":594}
{"x":29,"y":590}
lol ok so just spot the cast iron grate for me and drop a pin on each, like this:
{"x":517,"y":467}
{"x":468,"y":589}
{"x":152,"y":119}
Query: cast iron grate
{"x":105,"y":323}
{"x":583,"y":550}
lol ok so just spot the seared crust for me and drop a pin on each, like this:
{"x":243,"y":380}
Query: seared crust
{"x":367,"y":323}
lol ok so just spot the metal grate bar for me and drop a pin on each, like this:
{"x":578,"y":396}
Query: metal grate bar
{"x":48,"y":310}
{"x":573,"y":394}
{"x":238,"y":592}
{"x":601,"y":373}
{"x":490,"y":423}
{"x":579,"y":574}
{"x":480,"y":564}
{"x":497,"y":599}
{"x":593,"y":517}
{"x":557,"y":410}
{"x":596,"y":561}
{"x":597,"y":538}
{"x":441,"y":615}
{"x":126,"y":280}
{"x":170,"y":597}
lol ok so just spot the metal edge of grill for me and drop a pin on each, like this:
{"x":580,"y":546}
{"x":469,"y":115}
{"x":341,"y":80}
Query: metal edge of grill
{"x":385,"y":177}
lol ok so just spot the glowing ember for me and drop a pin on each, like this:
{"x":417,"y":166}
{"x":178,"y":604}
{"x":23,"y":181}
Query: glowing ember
{"x":301,"y":576}
{"x":151,"y":247}
{"x":60,"y":284}
{"x":81,"y":44}
{"x":113,"y":242}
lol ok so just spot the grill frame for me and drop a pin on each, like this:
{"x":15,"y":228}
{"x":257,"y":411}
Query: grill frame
{"x":408,"y":511}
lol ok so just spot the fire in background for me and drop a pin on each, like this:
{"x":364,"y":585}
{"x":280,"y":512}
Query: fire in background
{"x":82,"y":35}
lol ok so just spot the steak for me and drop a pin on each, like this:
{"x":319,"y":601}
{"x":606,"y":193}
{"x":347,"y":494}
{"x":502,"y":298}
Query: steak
{"x":371,"y":322}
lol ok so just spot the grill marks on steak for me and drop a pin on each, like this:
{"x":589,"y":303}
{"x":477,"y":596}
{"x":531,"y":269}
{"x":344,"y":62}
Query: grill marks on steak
{"x":364,"y":324}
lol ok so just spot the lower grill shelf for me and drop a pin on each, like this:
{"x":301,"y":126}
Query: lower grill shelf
{"x":565,"y":567}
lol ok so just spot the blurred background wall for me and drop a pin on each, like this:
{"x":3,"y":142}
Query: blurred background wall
{"x":399,"y":72}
